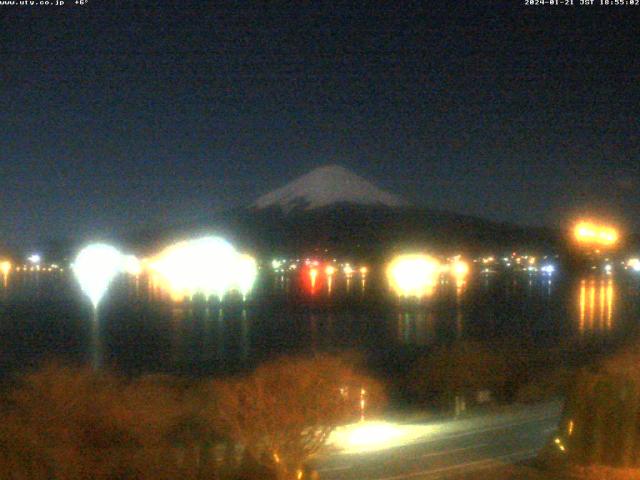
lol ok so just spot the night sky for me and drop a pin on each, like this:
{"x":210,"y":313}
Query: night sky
{"x":115,"y":117}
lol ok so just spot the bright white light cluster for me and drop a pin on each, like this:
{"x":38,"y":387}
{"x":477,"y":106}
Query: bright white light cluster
{"x":413,"y":275}
{"x":634,"y":264}
{"x":95,"y":267}
{"x":132,"y":265}
{"x":208,"y":266}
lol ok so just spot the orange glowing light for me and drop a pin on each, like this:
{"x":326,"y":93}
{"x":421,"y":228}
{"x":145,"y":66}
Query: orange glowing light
{"x":593,"y":234}
{"x":313,"y":274}
{"x":460,"y":269}
{"x":583,"y":303}
{"x":596,"y":304}
{"x":5,"y":267}
{"x":609,"y":302}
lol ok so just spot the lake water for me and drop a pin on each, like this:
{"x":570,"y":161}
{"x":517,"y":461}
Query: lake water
{"x":43,"y":315}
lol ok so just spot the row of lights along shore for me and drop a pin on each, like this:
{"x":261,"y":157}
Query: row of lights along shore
{"x":211,"y":266}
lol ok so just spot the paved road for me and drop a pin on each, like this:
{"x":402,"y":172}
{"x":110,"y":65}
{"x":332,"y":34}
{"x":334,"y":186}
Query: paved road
{"x":443,"y":450}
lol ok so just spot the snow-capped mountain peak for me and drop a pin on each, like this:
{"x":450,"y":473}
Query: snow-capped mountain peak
{"x":325,"y":186}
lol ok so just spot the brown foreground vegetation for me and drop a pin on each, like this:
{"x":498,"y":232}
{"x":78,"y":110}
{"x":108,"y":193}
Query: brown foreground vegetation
{"x":72,"y":423}
{"x":598,"y":436}
{"x":511,"y":371}
{"x":523,"y":472}
{"x":66,"y":422}
{"x":600,"y":423}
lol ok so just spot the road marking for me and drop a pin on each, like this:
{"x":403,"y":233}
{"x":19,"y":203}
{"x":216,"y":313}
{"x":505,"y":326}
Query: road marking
{"x":492,"y":463}
{"x":489,"y":462}
{"x":335,"y":469}
{"x":426,"y":455}
{"x":455,"y":450}
{"x":466,"y":433}
{"x":476,"y":464}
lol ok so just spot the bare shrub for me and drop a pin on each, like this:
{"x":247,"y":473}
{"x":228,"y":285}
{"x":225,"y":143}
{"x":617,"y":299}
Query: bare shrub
{"x":284,"y":411}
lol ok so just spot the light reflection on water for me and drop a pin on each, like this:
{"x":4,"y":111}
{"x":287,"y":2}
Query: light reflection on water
{"x":141,"y":329}
{"x":416,"y":328}
{"x":596,"y":305}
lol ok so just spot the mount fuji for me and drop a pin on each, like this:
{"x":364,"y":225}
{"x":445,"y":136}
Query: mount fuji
{"x":326,"y":186}
{"x":331,"y":209}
